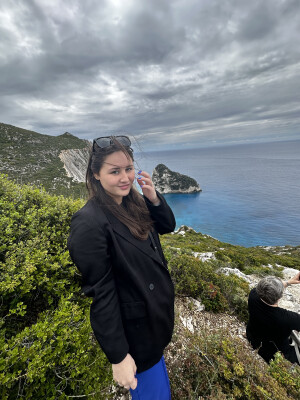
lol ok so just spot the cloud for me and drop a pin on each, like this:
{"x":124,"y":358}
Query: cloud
{"x":184,"y":72}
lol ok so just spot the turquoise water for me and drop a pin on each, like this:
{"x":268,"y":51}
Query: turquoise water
{"x":250,"y":193}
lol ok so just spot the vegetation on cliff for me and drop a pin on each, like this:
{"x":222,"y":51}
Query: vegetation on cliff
{"x":47,"y":349}
{"x":29,"y":157}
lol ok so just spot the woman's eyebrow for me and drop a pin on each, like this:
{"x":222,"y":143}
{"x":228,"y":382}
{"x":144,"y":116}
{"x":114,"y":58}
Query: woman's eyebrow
{"x":118,"y":166}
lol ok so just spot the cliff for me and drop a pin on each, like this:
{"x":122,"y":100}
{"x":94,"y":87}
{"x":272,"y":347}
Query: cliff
{"x":75,"y":163}
{"x":55,"y":162}
{"x":167,"y":181}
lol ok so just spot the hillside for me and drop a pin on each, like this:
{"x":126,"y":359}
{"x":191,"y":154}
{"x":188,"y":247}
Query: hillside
{"x":48,"y":351}
{"x":30,"y":157}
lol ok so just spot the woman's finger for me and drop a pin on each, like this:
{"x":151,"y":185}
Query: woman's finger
{"x":147,"y":181}
{"x":147,"y":187}
{"x":134,"y":384}
{"x":144,"y":173}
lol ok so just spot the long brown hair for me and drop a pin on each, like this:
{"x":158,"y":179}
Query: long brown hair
{"x":133,"y":211}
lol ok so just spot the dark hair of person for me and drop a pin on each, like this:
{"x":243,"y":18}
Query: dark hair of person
{"x":270,"y":289}
{"x":133,"y":211}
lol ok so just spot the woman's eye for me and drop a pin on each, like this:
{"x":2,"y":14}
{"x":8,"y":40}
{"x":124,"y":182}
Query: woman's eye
{"x":129,"y":169}
{"x":115,"y":172}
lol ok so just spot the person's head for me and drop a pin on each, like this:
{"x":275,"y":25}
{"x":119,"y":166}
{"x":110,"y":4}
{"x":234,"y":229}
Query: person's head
{"x":110,"y":169}
{"x":109,"y":180}
{"x":270,"y":289}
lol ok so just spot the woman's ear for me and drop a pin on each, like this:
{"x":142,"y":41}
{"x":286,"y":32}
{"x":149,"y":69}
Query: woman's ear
{"x":97,"y":177}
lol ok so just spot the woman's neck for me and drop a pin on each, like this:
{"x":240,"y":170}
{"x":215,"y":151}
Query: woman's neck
{"x":271,"y":305}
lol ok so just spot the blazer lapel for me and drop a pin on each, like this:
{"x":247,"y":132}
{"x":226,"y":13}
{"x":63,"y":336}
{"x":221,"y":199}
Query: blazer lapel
{"x":122,"y":230}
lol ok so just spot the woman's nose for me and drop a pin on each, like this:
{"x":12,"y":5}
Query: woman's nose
{"x":124,"y":176}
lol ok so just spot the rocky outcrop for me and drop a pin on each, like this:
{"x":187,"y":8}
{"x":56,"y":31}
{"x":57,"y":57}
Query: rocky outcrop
{"x":75,"y":163}
{"x":182,"y":230}
{"x":167,"y":181}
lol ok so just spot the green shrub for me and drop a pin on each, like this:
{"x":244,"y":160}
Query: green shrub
{"x":197,"y":279}
{"x":54,"y":358}
{"x":35,"y":266}
{"x":47,"y":347}
{"x":286,"y":374}
{"x":214,"y":365}
{"x":201,"y":280}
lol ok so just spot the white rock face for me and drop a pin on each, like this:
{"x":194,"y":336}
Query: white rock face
{"x":237,"y":272}
{"x":197,"y":320}
{"x":75,"y":163}
{"x":198,"y":305}
{"x":188,"y":323}
{"x":291,"y":295}
{"x":204,"y":256}
{"x":182,"y":230}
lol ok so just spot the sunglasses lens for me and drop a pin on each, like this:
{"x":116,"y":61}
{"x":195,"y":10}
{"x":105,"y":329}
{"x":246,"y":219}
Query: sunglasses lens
{"x":103,"y":142}
{"x":124,"y":140}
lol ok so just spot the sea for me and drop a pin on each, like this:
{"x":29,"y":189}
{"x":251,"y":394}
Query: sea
{"x":250,"y":192}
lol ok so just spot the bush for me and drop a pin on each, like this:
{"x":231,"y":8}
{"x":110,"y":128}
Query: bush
{"x":55,"y":358}
{"x":201,"y":280}
{"x":47,"y":347}
{"x":214,"y":365}
{"x":35,"y":266}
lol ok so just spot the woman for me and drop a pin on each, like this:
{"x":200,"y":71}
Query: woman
{"x":114,"y":243}
{"x":270,"y":326}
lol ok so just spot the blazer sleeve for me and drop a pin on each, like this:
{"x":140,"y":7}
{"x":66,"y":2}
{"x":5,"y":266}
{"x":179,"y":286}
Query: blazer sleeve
{"x":162,"y":215}
{"x":88,"y":247}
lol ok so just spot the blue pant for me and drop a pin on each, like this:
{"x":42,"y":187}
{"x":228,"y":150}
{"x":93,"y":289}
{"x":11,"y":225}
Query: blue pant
{"x":153,"y":384}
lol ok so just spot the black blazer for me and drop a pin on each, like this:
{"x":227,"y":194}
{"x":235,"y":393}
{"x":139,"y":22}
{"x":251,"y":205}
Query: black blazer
{"x":133,"y":295}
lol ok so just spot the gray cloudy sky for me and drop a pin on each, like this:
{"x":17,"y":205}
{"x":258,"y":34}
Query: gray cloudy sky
{"x":174,"y":73}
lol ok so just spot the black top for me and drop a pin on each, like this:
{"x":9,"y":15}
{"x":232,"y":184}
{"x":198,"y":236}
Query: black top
{"x":133,"y":295}
{"x":269,"y":327}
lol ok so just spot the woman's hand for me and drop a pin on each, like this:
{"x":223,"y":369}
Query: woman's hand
{"x":124,"y":373}
{"x":294,"y":280}
{"x":147,"y":187}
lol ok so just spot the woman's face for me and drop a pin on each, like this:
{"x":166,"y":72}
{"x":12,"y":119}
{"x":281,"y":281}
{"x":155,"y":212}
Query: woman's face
{"x":117,"y":175}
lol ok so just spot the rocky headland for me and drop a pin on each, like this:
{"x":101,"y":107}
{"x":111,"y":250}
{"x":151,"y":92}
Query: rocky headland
{"x":167,"y":181}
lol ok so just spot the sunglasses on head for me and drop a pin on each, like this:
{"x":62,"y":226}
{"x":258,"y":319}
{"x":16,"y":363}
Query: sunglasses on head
{"x":107,"y":141}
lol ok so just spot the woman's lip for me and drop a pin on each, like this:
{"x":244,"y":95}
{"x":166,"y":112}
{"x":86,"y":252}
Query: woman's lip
{"x":124,"y":186}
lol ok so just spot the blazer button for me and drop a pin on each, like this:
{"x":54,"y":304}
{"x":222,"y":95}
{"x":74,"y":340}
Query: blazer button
{"x":151,"y":286}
